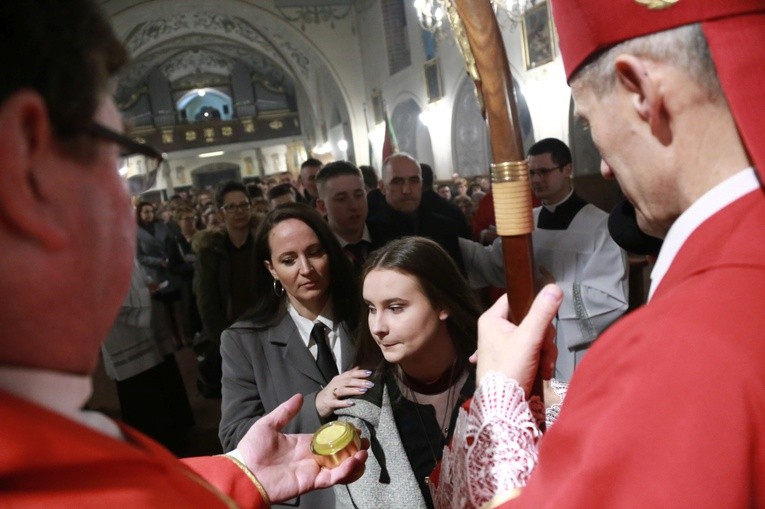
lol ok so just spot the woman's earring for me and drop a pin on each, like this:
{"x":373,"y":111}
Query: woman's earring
{"x":278,"y":288}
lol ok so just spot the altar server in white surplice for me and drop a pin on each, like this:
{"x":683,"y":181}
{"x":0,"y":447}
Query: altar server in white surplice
{"x":572,"y":248}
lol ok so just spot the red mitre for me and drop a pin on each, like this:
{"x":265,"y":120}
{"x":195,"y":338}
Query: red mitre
{"x":734,"y":29}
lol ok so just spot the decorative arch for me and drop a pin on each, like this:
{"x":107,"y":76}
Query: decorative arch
{"x":225,"y":35}
{"x":201,"y":104}
{"x":470,"y":141}
{"x":471,"y":149}
{"x":412,"y":136}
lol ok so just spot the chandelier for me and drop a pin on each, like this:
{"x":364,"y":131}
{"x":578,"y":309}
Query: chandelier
{"x":514,"y":9}
{"x":431,"y":13}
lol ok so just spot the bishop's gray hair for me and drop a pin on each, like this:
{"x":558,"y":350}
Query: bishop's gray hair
{"x":684,"y":47}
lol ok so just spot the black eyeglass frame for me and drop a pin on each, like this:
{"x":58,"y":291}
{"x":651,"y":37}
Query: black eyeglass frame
{"x":129,"y":146}
{"x":232,"y":207}
{"x":139,"y":184}
{"x":543,"y":172}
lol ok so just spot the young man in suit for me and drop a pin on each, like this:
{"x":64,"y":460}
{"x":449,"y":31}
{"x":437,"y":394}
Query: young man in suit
{"x":343,"y":200}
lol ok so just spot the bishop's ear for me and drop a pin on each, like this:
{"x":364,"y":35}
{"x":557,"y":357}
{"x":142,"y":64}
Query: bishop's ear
{"x":644,"y":86}
{"x":27,"y":151}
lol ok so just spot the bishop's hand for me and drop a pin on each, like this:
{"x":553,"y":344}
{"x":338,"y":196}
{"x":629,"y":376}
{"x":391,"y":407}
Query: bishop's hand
{"x":284,"y":464}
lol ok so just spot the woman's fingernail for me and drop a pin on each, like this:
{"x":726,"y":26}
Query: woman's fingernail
{"x":368,"y":373}
{"x":349,"y":402}
{"x":369,"y":384}
{"x":363,"y":389}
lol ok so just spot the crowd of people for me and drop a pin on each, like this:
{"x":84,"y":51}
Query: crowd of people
{"x":277,"y":296}
{"x":173,"y":232}
{"x":341,"y":299}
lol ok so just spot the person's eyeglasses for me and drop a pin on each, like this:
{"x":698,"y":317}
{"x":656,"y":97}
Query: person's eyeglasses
{"x":543,"y":172}
{"x":143,"y":160}
{"x":233,"y":207}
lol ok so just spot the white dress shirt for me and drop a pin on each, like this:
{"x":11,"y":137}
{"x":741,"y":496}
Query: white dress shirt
{"x":711,"y":202}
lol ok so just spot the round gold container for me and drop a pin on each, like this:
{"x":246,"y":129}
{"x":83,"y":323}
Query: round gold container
{"x":334,"y":442}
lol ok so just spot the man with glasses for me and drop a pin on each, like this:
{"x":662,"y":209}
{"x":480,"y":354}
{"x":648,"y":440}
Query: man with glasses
{"x":223,"y":280}
{"x":572,"y":248}
{"x":68,"y":247}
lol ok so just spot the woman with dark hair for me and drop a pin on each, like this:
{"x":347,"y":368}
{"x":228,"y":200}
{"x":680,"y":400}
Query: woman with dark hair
{"x":152,"y":240}
{"x":299,"y":335}
{"x":419,"y":331}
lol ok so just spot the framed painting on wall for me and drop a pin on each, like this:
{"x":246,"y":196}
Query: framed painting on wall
{"x":538,"y":36}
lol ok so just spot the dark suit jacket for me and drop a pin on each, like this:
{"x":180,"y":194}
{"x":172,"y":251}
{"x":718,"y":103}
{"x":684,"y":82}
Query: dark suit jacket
{"x":375,"y":201}
{"x":264,"y":367}
{"x":433,"y":202}
{"x":388,"y":224}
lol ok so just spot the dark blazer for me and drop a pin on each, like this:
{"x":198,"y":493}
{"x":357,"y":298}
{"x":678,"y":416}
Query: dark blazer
{"x":152,"y":251}
{"x":264,"y":367}
{"x":433,"y":202}
{"x":389,"y":224}
{"x":212,"y":281}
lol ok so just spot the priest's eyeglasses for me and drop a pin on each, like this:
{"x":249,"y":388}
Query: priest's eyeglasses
{"x":543,"y":172}
{"x":138,"y":162}
{"x":231,"y":208}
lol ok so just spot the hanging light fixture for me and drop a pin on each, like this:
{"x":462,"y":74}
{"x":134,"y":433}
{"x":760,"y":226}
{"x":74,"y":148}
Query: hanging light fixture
{"x":430,"y":14}
{"x":514,"y":9}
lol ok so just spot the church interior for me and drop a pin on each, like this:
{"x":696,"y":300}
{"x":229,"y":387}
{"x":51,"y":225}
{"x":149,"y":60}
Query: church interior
{"x":239,"y":89}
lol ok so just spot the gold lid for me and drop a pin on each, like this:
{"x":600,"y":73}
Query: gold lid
{"x":334,"y":442}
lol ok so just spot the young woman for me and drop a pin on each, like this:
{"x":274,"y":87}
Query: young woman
{"x":299,"y":335}
{"x":419,"y":333}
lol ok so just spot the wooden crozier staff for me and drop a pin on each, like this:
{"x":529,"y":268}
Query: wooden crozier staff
{"x":477,"y":31}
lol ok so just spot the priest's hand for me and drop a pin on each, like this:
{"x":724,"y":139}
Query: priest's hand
{"x":517,"y":352}
{"x":284,"y":464}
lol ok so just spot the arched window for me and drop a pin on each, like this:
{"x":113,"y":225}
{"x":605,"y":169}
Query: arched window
{"x":205,"y":104}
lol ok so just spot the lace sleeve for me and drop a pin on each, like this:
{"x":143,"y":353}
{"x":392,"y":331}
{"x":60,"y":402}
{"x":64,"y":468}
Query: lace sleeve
{"x":494,"y":446}
{"x":551,"y":412}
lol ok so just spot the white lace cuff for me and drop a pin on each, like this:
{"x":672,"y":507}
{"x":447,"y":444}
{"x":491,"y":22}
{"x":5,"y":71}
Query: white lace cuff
{"x":494,"y":446}
{"x":551,"y":413}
